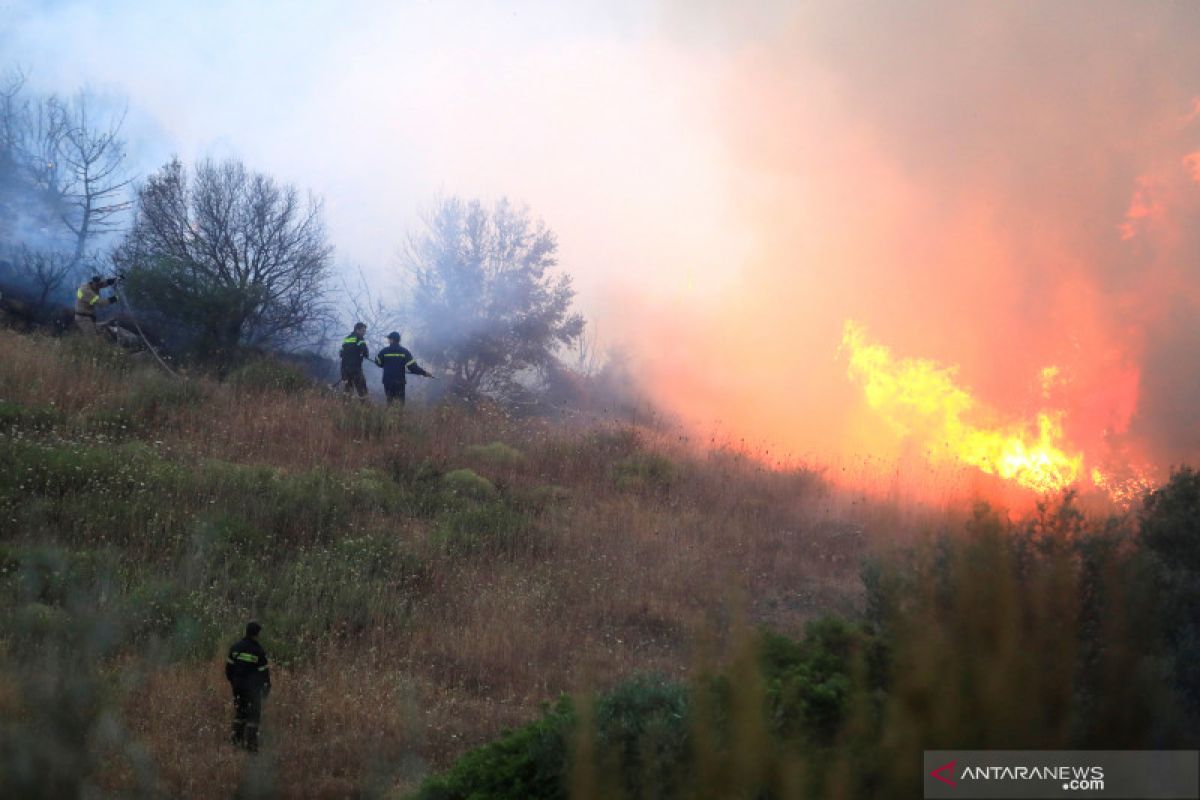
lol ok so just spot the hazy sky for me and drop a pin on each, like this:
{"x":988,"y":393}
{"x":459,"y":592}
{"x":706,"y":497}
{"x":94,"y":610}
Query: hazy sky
{"x":997,"y":186}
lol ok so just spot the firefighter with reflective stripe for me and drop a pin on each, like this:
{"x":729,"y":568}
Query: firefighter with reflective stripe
{"x":396,"y":362}
{"x":354,"y":353}
{"x":247,"y":672}
{"x":88,"y":299}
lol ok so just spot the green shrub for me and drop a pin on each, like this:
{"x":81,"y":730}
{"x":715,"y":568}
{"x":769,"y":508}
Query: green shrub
{"x":496,"y":454}
{"x":1170,"y":532}
{"x":809,"y":683}
{"x":645,"y":471}
{"x":642,"y":739}
{"x":495,"y":527}
{"x":466,"y":483}
{"x":529,"y":763}
{"x":540,"y":498}
{"x":182,"y":623}
{"x":638,"y":744}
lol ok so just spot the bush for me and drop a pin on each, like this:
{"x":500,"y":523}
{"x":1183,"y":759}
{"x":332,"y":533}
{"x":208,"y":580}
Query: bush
{"x":162,"y":612}
{"x":493,"y":528}
{"x":529,"y":763}
{"x":642,"y":739}
{"x":497,"y":454}
{"x":540,"y":498}
{"x":1170,"y":532}
{"x":645,"y":471}
{"x":1170,"y":521}
{"x":809,"y":683}
{"x":468,"y":484}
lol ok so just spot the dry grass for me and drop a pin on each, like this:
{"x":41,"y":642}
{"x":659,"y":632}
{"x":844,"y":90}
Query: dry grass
{"x":641,"y":546}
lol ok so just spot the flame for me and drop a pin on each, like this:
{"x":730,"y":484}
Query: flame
{"x":1124,"y":490}
{"x":920,"y":398}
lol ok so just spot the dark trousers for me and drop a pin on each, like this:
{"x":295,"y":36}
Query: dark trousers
{"x":394,"y":391}
{"x":247,"y":713}
{"x":354,"y":379}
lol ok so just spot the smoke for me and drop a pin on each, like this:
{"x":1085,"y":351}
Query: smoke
{"x":1002,"y":187}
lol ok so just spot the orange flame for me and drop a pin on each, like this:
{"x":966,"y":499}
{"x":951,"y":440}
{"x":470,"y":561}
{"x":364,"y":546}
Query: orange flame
{"x":920,"y":398}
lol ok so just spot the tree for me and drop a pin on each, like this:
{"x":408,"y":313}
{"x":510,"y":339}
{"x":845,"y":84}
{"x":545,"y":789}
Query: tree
{"x":47,"y":271}
{"x":93,"y":184}
{"x":230,"y":255}
{"x":63,"y":184}
{"x":484,"y":302}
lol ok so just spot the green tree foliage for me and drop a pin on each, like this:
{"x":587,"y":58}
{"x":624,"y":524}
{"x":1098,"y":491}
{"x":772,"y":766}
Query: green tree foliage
{"x":656,"y":738}
{"x":1039,"y":635}
{"x":1170,"y":531}
{"x":230,"y":255}
{"x":485,"y":304}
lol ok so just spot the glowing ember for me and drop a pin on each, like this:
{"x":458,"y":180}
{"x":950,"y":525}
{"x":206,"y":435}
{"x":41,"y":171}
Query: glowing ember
{"x":921,"y":399}
{"x":1124,"y":490}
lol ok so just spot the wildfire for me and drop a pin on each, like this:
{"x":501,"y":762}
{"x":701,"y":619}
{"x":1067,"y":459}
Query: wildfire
{"x":919,"y":397}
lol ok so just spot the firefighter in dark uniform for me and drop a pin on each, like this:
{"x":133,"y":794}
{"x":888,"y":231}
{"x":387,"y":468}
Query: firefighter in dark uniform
{"x":396,"y":362}
{"x":247,"y":672}
{"x":354,"y":353}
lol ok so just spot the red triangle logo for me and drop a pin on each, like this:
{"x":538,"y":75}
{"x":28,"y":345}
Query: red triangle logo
{"x":937,"y":773}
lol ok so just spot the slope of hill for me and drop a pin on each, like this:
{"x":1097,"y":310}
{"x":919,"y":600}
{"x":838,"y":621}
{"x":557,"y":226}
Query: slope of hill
{"x":426,"y":577}
{"x":460,"y":603}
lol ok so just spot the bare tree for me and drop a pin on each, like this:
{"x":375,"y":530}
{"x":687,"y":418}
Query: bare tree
{"x":63,"y":185}
{"x":11,"y":86}
{"x":93,"y":185}
{"x":230,"y":254}
{"x":47,"y":271}
{"x":487,"y":306}
{"x":45,"y":124}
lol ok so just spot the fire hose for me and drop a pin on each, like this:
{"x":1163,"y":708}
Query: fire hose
{"x":154,"y":352}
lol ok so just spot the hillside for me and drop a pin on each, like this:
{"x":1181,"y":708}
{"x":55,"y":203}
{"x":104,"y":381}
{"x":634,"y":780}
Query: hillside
{"x":425,"y":577}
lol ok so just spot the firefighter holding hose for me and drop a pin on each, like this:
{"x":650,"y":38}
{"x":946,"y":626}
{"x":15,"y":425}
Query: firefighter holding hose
{"x":88,"y":299}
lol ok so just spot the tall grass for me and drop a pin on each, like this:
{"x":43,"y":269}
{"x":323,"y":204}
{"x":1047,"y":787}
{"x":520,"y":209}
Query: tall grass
{"x":425,"y":576}
{"x":429,"y":577}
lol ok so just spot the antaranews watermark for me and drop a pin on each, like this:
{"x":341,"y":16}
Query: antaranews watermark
{"x":1149,"y":774}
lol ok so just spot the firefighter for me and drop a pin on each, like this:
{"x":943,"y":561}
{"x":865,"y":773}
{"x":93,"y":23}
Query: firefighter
{"x":248,"y":675}
{"x":88,"y":299}
{"x":396,"y":361}
{"x":354,"y":353}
